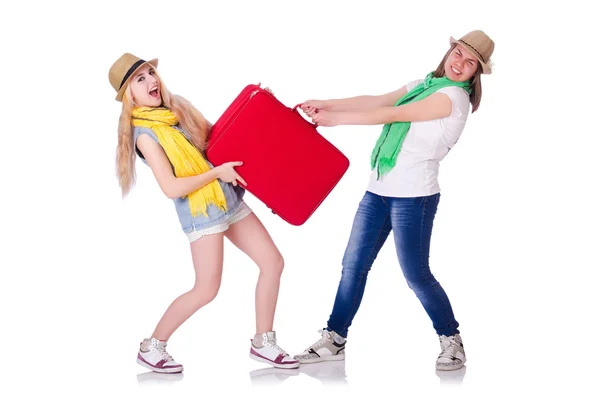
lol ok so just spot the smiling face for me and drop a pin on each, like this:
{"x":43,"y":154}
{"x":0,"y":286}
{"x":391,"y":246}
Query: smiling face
{"x":460,"y":65}
{"x":145,"y":87}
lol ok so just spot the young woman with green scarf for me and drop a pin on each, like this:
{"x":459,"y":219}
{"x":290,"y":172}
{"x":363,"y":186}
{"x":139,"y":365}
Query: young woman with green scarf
{"x":422,"y":121}
{"x":169,"y":135}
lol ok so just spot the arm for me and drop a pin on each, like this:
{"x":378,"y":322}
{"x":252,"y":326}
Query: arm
{"x":172,"y":186}
{"x":365,"y":102}
{"x":357,"y":103}
{"x":433,"y":107}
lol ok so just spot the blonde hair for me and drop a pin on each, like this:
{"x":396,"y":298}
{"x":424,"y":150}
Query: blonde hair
{"x":476,"y":91}
{"x":190,"y":119}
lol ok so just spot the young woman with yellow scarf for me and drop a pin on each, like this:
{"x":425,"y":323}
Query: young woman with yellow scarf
{"x":169,"y":135}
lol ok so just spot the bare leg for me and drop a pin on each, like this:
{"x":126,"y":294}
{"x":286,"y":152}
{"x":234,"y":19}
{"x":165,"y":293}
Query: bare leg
{"x":207,"y":256}
{"x":250,"y":236}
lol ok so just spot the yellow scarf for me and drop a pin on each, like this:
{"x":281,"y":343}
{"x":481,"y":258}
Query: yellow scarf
{"x":185,"y":157}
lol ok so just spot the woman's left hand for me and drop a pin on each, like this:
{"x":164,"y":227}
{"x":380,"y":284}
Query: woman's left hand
{"x":326,"y":118}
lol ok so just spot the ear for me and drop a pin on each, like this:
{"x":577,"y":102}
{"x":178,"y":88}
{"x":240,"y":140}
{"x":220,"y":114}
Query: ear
{"x":129,"y":93}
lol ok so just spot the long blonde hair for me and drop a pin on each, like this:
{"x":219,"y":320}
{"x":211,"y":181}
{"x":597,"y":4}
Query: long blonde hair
{"x":190,"y":119}
{"x":475,"y":96}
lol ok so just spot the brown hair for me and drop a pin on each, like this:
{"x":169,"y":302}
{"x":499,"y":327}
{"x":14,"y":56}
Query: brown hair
{"x":475,"y":96}
{"x":190,"y":119}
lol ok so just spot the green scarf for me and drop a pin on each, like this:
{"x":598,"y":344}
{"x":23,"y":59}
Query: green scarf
{"x":390,"y":141}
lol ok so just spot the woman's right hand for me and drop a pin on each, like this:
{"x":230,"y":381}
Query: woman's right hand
{"x":227,"y":173}
{"x":312,"y":106}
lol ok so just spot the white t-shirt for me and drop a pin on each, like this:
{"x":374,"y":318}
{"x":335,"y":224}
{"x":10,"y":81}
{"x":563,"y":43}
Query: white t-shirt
{"x":425,"y":145}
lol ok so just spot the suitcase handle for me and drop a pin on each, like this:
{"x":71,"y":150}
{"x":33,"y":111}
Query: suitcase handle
{"x":295,"y":109}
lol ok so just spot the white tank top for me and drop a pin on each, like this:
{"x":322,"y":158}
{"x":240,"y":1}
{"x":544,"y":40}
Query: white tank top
{"x":425,"y":145}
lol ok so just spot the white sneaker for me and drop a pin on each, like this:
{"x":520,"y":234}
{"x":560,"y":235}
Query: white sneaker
{"x":270,"y":352}
{"x":331,"y":347}
{"x":154,"y":356}
{"x":453,"y":355}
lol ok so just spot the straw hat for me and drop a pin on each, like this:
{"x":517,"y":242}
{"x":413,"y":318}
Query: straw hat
{"x":122,"y":70}
{"x":480,"y":46}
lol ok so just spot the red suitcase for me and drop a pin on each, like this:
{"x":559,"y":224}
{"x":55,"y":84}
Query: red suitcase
{"x":288,"y":165}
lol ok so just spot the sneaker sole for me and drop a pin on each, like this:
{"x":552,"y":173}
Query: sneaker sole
{"x":160,"y":370}
{"x":276,"y":365}
{"x":448,"y":368}
{"x":338,"y":357}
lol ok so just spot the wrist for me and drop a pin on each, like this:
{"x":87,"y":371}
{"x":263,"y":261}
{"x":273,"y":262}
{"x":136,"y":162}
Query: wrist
{"x":216,"y":172}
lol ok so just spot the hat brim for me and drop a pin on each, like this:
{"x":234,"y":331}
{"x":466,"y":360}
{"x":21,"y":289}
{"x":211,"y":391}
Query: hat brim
{"x":119,"y":97}
{"x":487,"y":69}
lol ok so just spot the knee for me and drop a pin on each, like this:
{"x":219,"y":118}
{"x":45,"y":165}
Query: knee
{"x":350,"y":272}
{"x":273,"y":265}
{"x":352,"y":267}
{"x":206,"y":290}
{"x":211,"y":293}
{"x":418,"y":282}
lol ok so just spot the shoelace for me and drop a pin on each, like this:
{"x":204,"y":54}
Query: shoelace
{"x":325,"y":337}
{"x":162,"y":352}
{"x":273,"y":345}
{"x":448,"y":347}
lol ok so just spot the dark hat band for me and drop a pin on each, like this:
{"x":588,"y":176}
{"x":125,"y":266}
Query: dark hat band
{"x":131,"y":70}
{"x":474,"y":49}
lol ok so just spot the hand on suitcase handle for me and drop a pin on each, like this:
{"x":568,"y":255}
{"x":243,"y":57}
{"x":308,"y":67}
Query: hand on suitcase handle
{"x":312,"y":106}
{"x":295,"y":109}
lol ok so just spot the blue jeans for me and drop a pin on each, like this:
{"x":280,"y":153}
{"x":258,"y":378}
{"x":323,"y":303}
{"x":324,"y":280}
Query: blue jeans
{"x":411,"y":219}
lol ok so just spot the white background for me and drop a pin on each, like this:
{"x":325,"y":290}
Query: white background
{"x":86,"y":275}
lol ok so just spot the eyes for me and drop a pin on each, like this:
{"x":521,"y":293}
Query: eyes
{"x":141,"y":78}
{"x":470,"y":62}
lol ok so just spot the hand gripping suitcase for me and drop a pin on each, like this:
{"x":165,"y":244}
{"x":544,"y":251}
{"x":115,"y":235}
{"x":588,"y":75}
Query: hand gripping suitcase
{"x":288,"y":165}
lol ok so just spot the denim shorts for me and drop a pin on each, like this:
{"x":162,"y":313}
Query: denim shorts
{"x":240,"y":213}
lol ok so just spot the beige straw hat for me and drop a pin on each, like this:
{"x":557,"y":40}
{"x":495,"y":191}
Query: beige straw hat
{"x":122,"y":70}
{"x":480,"y":46}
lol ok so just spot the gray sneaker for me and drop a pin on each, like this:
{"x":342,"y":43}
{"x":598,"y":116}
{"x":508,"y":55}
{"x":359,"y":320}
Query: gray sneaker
{"x":452,"y":356}
{"x":331,"y":347}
